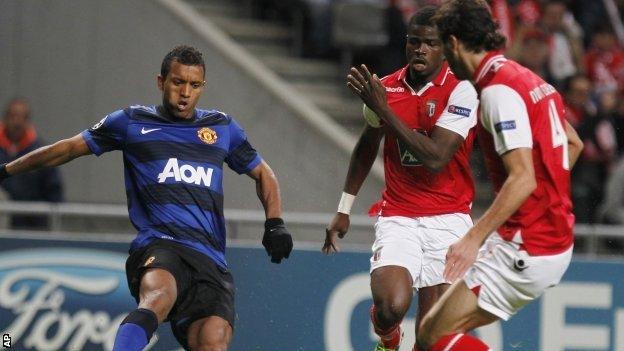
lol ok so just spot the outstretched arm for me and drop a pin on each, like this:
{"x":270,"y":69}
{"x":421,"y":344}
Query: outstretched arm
{"x":362,"y":160}
{"x":276,"y":240}
{"x":49,"y":156}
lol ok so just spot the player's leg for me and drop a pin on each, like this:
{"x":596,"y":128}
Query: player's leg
{"x":204,"y":315}
{"x":209,"y":334}
{"x":391,"y":287}
{"x":397,"y":256}
{"x":455,"y":313}
{"x":427,"y":297}
{"x":157,"y":295}
{"x":439,"y":232}
{"x":153,"y":274}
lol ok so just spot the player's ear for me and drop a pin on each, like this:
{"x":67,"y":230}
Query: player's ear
{"x":453,"y":43}
{"x":161,"y":82}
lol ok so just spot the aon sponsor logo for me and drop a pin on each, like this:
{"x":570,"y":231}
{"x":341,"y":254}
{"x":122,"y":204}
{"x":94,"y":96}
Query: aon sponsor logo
{"x":185,"y":173}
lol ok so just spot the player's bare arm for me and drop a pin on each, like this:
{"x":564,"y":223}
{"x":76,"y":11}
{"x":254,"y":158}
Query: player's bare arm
{"x":276,"y":240}
{"x":518,"y":186}
{"x":53,"y":155}
{"x":267,"y":189}
{"x":434,"y":152}
{"x":362,"y":160}
{"x":575,"y":144}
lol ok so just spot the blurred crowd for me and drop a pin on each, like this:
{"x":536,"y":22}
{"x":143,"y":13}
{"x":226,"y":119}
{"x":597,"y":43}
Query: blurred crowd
{"x":17,"y":138}
{"x":576,"y":45}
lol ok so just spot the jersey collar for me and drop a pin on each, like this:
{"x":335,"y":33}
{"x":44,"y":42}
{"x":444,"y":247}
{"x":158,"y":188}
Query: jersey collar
{"x":488,"y":65}
{"x":439,"y":79}
{"x":162,"y":112}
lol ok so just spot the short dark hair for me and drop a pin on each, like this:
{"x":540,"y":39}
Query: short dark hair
{"x":184,"y":54}
{"x":471,"y":22}
{"x":424,"y":17}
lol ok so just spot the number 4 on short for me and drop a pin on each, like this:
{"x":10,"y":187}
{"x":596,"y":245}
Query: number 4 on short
{"x":6,"y":341}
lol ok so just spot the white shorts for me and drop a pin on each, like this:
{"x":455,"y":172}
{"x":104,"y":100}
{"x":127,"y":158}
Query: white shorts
{"x":508,"y":278}
{"x":419,"y":244}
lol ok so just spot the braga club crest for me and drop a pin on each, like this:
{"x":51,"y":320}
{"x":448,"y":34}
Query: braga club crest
{"x":431,"y":107}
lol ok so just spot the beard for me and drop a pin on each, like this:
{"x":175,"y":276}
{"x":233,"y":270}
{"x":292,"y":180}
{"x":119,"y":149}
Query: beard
{"x":457,"y":66}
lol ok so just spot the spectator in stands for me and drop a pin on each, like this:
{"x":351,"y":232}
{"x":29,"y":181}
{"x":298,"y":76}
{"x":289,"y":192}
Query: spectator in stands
{"x":612,"y":208}
{"x":599,"y":154}
{"x":18,"y":137}
{"x":605,"y":60}
{"x":565,"y":41}
{"x":532,"y":50}
{"x":589,"y":15}
{"x":577,"y":95}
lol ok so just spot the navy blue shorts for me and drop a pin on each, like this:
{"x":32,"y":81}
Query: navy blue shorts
{"x":204,"y":288}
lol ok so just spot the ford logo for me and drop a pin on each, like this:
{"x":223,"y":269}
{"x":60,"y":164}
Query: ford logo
{"x":63,"y":298}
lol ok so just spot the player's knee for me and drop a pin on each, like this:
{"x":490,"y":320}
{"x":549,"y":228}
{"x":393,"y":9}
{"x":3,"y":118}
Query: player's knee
{"x":215,"y":340}
{"x":159,"y":300}
{"x":392,"y":310}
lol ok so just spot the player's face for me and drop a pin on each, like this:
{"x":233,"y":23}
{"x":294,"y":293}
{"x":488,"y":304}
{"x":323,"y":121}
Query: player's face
{"x":423,"y":51}
{"x":181,"y":89}
{"x":453,"y":57}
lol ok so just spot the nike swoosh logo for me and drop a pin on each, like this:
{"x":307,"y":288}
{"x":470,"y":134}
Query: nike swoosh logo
{"x":145,"y":131}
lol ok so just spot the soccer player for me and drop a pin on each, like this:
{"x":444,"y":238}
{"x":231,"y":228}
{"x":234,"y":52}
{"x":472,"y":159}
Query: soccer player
{"x":173,"y":160}
{"x":428,"y":119}
{"x":529,"y":150}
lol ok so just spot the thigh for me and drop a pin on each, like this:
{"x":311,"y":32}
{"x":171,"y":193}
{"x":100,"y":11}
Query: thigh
{"x":456,"y":311}
{"x":397,"y":243}
{"x":507,"y":278}
{"x":209,"y":331}
{"x":210,"y":294}
{"x":438,"y":233}
{"x":427,"y":297}
{"x":156,"y":275}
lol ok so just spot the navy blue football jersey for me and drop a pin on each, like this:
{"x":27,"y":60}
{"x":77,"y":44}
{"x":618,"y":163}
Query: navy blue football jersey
{"x":173,"y":172}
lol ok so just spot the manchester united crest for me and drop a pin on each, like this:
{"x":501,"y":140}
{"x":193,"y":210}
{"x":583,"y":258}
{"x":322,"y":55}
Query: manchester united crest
{"x":207,"y":135}
{"x":149,"y":261}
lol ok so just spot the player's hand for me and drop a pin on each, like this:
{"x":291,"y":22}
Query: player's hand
{"x":460,"y":256}
{"x":337,"y":229}
{"x":277,"y":240}
{"x":368,"y":87}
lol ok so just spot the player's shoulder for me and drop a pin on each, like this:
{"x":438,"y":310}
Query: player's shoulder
{"x":212,"y":117}
{"x":514,"y":75}
{"x":141,"y":112}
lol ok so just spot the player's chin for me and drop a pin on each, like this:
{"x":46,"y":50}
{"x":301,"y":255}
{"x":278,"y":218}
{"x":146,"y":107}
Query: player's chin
{"x":182,"y":114}
{"x":419,"y":67}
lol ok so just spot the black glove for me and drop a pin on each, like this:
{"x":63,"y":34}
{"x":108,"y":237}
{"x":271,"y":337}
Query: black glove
{"x":3,"y":172}
{"x":276,"y":240}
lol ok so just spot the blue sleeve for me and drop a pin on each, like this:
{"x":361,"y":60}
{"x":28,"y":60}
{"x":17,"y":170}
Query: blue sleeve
{"x":108,"y":134}
{"x":242,"y":157}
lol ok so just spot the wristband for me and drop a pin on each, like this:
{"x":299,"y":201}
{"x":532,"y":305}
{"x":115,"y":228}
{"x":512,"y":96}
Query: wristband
{"x":346,"y":201}
{"x":272,"y":222}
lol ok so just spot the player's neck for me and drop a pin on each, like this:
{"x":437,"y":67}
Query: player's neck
{"x":164,"y":112}
{"x":473,"y":60}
